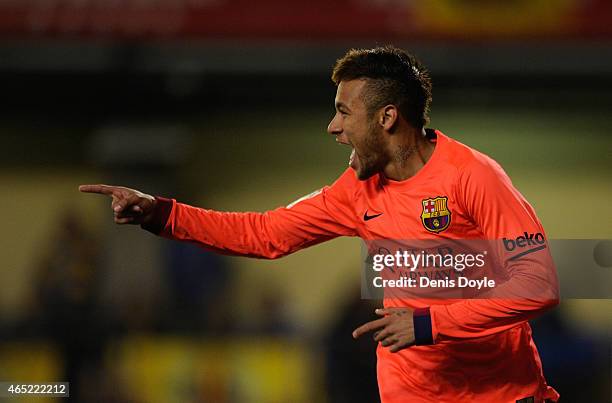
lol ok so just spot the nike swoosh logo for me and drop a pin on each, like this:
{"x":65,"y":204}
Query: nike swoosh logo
{"x":367,"y":217}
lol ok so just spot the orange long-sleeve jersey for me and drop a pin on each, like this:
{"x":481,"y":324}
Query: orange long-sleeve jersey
{"x":467,"y":350}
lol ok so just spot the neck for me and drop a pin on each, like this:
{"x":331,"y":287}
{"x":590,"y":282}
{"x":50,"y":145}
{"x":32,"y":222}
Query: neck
{"x":408,"y":153}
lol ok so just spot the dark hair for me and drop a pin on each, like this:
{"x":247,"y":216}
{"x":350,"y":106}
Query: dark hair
{"x":393,"y":77}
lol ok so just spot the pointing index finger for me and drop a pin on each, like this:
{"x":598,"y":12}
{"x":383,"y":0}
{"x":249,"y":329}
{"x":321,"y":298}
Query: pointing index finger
{"x":100,"y":189}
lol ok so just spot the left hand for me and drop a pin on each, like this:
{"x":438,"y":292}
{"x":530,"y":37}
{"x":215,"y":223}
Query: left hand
{"x":396,"y":328}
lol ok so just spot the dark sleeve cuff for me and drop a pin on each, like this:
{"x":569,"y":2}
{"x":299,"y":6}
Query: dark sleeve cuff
{"x":163,"y":208}
{"x":422,"y":327}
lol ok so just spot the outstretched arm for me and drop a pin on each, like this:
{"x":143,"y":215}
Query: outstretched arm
{"x":318,"y":217}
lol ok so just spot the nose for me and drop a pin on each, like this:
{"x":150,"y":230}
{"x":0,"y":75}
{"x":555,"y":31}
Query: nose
{"x":334,"y":128}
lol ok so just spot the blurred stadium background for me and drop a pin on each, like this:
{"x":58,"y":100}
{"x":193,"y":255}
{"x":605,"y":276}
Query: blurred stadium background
{"x":224,"y":104}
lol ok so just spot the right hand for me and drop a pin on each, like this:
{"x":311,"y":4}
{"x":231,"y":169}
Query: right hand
{"x":129,"y":205}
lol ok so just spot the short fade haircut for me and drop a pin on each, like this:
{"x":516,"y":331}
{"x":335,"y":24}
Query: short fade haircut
{"x":393,"y":77}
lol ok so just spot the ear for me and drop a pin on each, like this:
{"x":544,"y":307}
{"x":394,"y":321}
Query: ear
{"x":388,"y":117}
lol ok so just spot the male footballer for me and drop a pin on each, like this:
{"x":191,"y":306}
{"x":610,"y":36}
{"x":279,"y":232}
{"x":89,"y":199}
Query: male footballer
{"x":429,"y":350}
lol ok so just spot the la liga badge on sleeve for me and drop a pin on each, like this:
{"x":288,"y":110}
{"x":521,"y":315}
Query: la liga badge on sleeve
{"x":436,"y":216}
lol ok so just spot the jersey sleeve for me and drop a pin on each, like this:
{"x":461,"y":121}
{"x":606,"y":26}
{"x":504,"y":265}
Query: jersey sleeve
{"x":517,"y":238}
{"x":318,"y":217}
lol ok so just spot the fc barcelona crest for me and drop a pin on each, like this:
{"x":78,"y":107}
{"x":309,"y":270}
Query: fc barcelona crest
{"x":436,"y":216}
